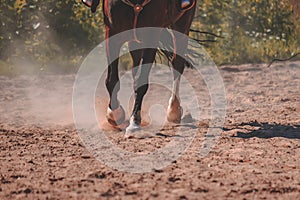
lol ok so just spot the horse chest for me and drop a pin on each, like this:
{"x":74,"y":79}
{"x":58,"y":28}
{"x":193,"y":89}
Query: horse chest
{"x":123,"y":17}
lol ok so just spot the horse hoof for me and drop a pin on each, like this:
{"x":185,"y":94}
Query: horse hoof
{"x":115,"y":117}
{"x":132,"y":129}
{"x":174,"y":115}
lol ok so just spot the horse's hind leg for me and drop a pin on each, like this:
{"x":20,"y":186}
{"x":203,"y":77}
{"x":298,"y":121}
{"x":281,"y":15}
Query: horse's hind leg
{"x":174,"y":111}
{"x":141,"y":81}
{"x":115,"y":113}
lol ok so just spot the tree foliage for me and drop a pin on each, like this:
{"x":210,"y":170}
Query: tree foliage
{"x":253,"y":30}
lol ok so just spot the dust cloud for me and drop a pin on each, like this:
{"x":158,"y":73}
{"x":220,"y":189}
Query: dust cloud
{"x":38,"y":100}
{"x":35,"y":92}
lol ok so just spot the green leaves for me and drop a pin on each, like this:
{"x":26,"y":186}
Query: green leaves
{"x":254,"y":30}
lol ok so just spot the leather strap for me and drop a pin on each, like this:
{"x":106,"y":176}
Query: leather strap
{"x":137,"y":8}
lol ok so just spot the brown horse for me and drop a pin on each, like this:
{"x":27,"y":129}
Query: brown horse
{"x":123,"y":15}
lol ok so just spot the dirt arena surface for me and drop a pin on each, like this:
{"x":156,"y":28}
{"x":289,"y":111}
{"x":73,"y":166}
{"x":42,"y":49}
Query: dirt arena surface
{"x":256,"y":157}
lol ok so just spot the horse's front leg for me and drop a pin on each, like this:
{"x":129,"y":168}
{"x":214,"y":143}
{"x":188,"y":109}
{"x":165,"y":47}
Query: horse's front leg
{"x":136,"y":53}
{"x":115,"y":113}
{"x":141,"y":84}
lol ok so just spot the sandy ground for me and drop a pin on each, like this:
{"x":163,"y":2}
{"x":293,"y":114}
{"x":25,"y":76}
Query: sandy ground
{"x":256,"y":157}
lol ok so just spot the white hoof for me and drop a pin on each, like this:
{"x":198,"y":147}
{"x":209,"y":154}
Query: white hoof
{"x":132,"y":129}
{"x":115,"y":117}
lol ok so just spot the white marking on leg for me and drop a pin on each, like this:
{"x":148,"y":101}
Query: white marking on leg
{"x":175,"y":92}
{"x":174,"y":109}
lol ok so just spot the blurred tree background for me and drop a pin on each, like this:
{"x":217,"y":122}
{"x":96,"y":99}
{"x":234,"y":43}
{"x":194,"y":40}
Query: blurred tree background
{"x":55,"y":35}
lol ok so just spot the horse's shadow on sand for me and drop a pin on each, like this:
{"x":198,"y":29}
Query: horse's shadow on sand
{"x":267,"y":130}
